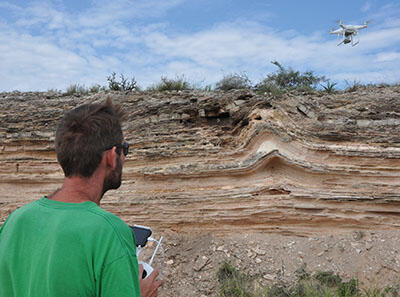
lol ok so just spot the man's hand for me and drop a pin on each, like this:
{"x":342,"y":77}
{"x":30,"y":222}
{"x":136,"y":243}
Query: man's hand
{"x":149,"y":286}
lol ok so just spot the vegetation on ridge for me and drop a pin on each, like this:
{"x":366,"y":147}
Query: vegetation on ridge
{"x":234,"y":81}
{"x":285,"y":79}
{"x":169,"y":84}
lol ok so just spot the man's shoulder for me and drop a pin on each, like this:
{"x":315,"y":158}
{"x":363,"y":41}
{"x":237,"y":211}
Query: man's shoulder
{"x":109,"y":219}
{"x":23,"y":209}
{"x":29,"y":205}
{"x":112,"y":227}
{"x":84,"y":214}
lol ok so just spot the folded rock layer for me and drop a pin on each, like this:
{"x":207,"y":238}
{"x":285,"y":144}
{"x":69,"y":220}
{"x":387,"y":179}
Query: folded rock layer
{"x":226,"y":162}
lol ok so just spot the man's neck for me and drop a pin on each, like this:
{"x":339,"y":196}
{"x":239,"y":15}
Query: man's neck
{"x":78,"y":190}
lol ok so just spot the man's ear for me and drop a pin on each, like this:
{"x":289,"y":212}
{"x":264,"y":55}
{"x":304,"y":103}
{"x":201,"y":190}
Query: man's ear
{"x":110,"y":158}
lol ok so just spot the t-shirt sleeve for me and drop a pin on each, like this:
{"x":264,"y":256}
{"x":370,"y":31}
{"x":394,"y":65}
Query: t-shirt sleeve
{"x":4,"y":224}
{"x":120,"y":278}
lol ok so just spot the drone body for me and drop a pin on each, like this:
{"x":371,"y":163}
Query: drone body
{"x":348,"y":31}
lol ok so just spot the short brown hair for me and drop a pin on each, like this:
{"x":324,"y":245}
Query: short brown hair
{"x":83,"y":134}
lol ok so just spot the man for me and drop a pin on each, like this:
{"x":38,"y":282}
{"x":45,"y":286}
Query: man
{"x":65,"y":245}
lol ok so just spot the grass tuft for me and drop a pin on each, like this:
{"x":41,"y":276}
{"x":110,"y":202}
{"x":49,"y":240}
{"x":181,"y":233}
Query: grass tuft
{"x":76,"y":89}
{"x":352,"y":87}
{"x":234,"y":81}
{"x":168,"y":84}
{"x":234,"y":283}
{"x":329,"y":87}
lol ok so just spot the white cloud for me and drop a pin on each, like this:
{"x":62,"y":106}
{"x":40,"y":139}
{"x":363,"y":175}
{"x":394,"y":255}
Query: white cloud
{"x":380,"y":39}
{"x":34,"y":63}
{"x":388,"y":57}
{"x":45,"y":47}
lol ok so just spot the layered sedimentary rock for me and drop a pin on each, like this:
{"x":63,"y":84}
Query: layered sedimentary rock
{"x":226,"y":162}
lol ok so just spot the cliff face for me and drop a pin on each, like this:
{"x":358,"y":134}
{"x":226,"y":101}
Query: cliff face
{"x":226,"y":162}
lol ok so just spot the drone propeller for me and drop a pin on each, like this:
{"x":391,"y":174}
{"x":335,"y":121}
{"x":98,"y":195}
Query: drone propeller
{"x":338,"y":35}
{"x":366,"y":23}
{"x":340,"y":23}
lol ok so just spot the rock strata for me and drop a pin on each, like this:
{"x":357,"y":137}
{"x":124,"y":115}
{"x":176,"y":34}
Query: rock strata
{"x":226,"y":162}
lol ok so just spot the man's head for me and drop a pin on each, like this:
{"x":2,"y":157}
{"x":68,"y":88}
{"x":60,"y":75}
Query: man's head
{"x":83,"y":135}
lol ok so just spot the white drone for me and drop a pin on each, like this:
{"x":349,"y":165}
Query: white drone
{"x":348,"y":31}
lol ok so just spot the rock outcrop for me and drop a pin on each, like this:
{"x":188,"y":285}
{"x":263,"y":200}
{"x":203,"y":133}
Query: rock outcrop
{"x":226,"y":162}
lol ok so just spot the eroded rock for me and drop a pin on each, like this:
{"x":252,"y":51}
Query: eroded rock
{"x":226,"y":161}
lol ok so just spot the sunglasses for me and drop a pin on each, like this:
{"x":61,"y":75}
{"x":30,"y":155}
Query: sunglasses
{"x":124,"y":146}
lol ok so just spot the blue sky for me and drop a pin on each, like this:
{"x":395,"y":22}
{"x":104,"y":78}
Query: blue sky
{"x":55,"y":43}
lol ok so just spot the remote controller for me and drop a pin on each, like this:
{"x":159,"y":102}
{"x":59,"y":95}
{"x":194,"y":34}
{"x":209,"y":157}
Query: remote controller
{"x":142,"y":235}
{"x":147,"y":269}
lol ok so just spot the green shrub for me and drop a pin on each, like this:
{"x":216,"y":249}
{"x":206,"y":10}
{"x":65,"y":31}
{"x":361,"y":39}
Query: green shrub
{"x":329,"y":87}
{"x":352,"y":87}
{"x":96,"y":88}
{"x":328,"y":278}
{"x":385,"y":292}
{"x":348,"y":289}
{"x":123,"y":85}
{"x":76,"y":89}
{"x":166,"y":84}
{"x":270,"y":88}
{"x":53,"y":91}
{"x":232,"y":282}
{"x":233,"y":81}
{"x":207,"y":88}
{"x":288,"y":79}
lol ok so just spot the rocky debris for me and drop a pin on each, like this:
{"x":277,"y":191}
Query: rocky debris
{"x":192,"y":262}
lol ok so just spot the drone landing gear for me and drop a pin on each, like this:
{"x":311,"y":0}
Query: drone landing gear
{"x":345,"y":41}
{"x":349,"y":40}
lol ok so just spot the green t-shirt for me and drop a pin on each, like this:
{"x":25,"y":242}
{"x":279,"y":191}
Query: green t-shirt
{"x":57,"y":249}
